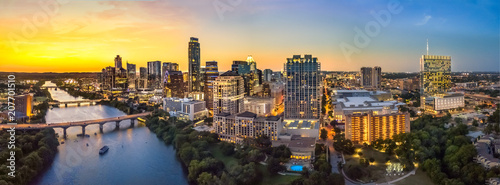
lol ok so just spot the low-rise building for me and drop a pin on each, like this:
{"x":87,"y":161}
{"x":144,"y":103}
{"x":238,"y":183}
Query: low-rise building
{"x":185,"y":108}
{"x":363,"y":104}
{"x":300,"y":147}
{"x":443,"y":102}
{"x":259,"y":106}
{"x":303,"y":128}
{"x":466,"y":85}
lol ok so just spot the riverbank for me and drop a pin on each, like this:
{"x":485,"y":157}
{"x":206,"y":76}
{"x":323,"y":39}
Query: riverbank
{"x":210,"y":161}
{"x":75,"y":91}
{"x":35,"y":152}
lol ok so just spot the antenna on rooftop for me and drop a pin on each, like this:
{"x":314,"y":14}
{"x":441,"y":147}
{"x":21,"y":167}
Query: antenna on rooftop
{"x":427,"y":46}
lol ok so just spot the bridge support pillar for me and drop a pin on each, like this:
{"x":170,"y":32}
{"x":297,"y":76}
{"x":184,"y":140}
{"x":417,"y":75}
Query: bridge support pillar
{"x":64,"y":133}
{"x":101,"y":127}
{"x":83,"y":131}
{"x":117,"y":124}
{"x":132,"y":122}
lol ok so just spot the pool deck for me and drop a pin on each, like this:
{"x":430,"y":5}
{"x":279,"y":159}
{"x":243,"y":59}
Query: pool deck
{"x":294,"y":162}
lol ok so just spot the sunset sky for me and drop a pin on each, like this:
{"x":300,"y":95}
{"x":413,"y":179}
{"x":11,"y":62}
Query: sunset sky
{"x":84,"y":35}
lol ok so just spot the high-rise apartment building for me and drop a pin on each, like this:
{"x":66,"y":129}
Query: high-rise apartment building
{"x":371,"y":77}
{"x":170,"y":80}
{"x":211,"y":73}
{"x":132,"y":76}
{"x":175,"y":84}
{"x":248,"y":70}
{"x":154,"y":75}
{"x":118,"y":62}
{"x":194,"y":65}
{"x":303,"y":88}
{"x":368,"y":127}
{"x":228,"y":94}
{"x":142,"y":82}
{"x":108,"y":78}
{"x":23,"y":106}
{"x":267,"y":75}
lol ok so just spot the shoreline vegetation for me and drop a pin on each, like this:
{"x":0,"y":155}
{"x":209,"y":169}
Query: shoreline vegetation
{"x":34,"y":152}
{"x":210,"y":161}
{"x":77,"y":93}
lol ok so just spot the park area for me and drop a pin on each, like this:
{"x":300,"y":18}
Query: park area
{"x":267,"y":178}
{"x":370,"y":165}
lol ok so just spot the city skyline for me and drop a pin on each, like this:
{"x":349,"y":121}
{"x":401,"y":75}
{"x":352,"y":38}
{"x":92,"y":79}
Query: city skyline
{"x":55,"y":38}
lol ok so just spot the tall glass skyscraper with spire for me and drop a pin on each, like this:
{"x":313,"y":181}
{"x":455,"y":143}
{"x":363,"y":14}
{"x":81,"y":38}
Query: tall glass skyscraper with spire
{"x":194,"y":65}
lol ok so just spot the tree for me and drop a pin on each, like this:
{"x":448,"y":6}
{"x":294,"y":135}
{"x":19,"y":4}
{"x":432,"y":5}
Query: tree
{"x":274,"y":166}
{"x":335,"y":179}
{"x":488,"y":129}
{"x":475,"y":123}
{"x":227,"y":148}
{"x":263,"y":141}
{"x":207,"y":179}
{"x":372,"y":159}
{"x":323,"y":134}
{"x":334,"y":123}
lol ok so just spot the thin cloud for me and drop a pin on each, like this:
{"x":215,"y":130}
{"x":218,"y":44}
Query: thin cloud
{"x":424,"y":20}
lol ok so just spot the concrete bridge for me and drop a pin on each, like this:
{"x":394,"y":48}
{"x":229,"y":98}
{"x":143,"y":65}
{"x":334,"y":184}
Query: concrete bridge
{"x":82,"y":124}
{"x":78,"y":102}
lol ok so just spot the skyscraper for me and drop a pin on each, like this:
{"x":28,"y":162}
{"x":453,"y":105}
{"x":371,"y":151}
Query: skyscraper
{"x":194,"y":65}
{"x":172,"y":80}
{"x":118,"y":62}
{"x":175,"y":84}
{"x":248,"y":70}
{"x":108,"y":78}
{"x":131,"y":76}
{"x":267,"y":75}
{"x":154,"y":75}
{"x":143,"y":77}
{"x":211,"y":73}
{"x":228,"y":94}
{"x":302,"y":91}
{"x":435,"y":73}
{"x":371,"y":77}
{"x":435,"y":80}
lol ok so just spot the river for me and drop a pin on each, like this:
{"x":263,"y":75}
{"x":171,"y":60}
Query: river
{"x":136,"y":155}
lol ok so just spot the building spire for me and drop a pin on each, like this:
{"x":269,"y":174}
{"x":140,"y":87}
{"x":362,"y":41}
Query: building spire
{"x":427,"y":46}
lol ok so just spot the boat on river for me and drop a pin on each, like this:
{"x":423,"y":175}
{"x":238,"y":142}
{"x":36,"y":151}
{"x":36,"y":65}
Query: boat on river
{"x":103,"y":150}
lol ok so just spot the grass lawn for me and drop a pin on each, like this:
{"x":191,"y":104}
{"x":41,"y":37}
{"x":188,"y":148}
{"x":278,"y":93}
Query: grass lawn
{"x":266,"y":177}
{"x":274,"y":179}
{"x":420,"y":178}
{"x":378,"y":156}
{"x":40,"y":98}
{"x":227,"y":160}
{"x":375,"y":171}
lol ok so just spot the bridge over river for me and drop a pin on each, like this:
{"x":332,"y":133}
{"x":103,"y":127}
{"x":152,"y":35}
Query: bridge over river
{"x":82,"y":124}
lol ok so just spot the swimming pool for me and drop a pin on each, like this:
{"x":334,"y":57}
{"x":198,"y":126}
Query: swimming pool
{"x":297,"y":168}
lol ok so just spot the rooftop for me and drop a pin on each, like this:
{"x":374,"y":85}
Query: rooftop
{"x":230,"y":73}
{"x":302,"y":142}
{"x":247,"y":114}
{"x":224,"y":114}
